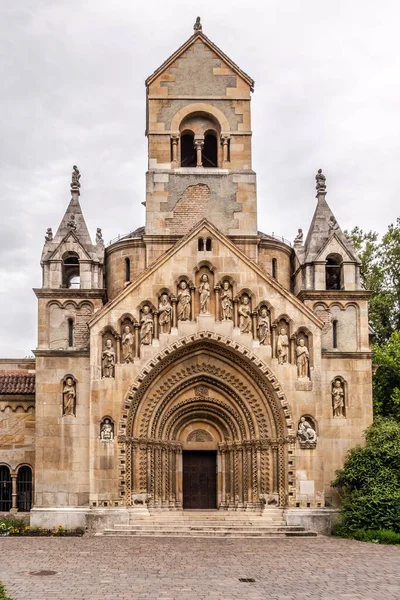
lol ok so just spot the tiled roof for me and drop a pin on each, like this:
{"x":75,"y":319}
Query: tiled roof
{"x":17,"y":382}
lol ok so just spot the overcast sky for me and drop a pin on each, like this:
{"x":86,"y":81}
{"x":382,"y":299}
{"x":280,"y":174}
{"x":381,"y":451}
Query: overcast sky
{"x":72,"y":74}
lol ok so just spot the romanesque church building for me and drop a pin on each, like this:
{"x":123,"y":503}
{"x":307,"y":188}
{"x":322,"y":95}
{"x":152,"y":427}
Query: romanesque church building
{"x":195,"y":363}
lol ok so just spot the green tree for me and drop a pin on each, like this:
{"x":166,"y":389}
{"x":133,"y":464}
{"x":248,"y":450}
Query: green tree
{"x":386,"y":380}
{"x":380,"y":274}
{"x":369,"y":482}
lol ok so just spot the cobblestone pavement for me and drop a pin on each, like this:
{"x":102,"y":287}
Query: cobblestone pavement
{"x":100,"y":568}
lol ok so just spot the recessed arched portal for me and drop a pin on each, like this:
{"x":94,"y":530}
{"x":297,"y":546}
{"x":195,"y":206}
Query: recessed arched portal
{"x":206,"y":394}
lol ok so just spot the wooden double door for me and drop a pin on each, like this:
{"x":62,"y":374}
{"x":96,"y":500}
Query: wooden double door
{"x":199,"y":479}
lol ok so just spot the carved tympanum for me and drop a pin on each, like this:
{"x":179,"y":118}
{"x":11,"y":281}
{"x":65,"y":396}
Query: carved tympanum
{"x":199,"y":435}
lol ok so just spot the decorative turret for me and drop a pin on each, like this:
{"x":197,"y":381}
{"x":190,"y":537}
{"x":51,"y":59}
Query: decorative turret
{"x":327,"y":260}
{"x":70,"y":259}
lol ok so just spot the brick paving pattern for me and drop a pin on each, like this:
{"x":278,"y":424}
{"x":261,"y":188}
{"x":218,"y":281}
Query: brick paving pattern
{"x":99,"y":568}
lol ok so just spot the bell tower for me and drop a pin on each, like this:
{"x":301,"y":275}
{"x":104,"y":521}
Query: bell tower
{"x":199,"y":142}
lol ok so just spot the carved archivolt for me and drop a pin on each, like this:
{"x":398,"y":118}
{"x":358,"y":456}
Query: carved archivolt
{"x":254,"y":423}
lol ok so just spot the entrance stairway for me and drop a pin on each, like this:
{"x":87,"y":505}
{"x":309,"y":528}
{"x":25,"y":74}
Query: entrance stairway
{"x":211,"y":523}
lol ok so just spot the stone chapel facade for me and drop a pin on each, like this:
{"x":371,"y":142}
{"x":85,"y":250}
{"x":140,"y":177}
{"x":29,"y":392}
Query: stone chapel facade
{"x":195,"y":362}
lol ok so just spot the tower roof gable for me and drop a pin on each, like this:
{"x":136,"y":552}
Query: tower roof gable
{"x":199,"y":35}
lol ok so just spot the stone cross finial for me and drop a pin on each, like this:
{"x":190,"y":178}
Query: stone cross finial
{"x":75,"y":184}
{"x":198,"y":26}
{"x":321,"y":181}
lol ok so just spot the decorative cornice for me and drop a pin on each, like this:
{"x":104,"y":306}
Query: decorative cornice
{"x":333,"y":295}
{"x":69,"y":293}
{"x":61,"y":353}
{"x":352,"y":355}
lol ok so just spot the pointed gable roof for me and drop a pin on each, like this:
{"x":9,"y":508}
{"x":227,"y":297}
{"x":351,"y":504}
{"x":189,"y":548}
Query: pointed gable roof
{"x":235,"y":251}
{"x":79,"y":232}
{"x":324,"y":227}
{"x":196,"y":36}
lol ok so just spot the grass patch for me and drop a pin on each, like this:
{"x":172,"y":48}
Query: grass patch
{"x":374,"y":536}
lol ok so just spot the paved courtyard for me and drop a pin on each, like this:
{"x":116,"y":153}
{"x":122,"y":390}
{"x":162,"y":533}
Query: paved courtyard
{"x":187,"y":569}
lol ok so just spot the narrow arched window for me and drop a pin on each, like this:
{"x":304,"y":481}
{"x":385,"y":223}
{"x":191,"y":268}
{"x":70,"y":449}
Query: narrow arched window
{"x":208,"y":244}
{"x":334,"y":333}
{"x":274,"y":268}
{"x":70,"y":333}
{"x":71,"y":271}
{"x":188,"y":152}
{"x":200,"y":244}
{"x":333,"y":272}
{"x":127,"y":269}
{"x":210,"y":151}
{"x":5,"y":489}
{"x":24,"y":489}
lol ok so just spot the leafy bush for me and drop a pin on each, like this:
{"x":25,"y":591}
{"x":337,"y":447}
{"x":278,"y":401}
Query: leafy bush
{"x":369,"y":482}
{"x":376,"y":536}
{"x":3,"y":595}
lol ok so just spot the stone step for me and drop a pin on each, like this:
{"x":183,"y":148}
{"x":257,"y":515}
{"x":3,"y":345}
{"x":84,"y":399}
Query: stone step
{"x":198,"y":527}
{"x":261,"y":522}
{"x":229,"y":533}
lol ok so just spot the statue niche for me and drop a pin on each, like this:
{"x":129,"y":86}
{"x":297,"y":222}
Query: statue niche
{"x":108,"y":357}
{"x":302,"y":358}
{"x":205,"y":294}
{"x":69,"y":396}
{"x":164,"y":313}
{"x":184,"y":300}
{"x":146,"y":326}
{"x":282,"y":343}
{"x":338,"y":398}
{"x":244,"y":312}
{"x":106,"y":430}
{"x":127,"y":342}
{"x":263,"y":327}
{"x":306,"y":432}
{"x":226,"y":300}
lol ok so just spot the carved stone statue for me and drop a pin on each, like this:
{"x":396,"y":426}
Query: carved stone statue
{"x":298,"y":240}
{"x":99,"y":236}
{"x":183,"y":306}
{"x":263,"y":326}
{"x":146,"y":326}
{"x":338,"y":398}
{"x":75,"y":184}
{"x":303,"y":359}
{"x":72,"y":223}
{"x":49,"y":235}
{"x":282,"y":346}
{"x":164,"y":314}
{"x":107,"y":431}
{"x":226,"y":301}
{"x":197,"y":26}
{"x":333,"y":224}
{"x":205,"y":295}
{"x":108,"y":359}
{"x":320,"y":181}
{"x":307,"y":434}
{"x":127,"y":345}
{"x":69,"y":397}
{"x":244,"y":312}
